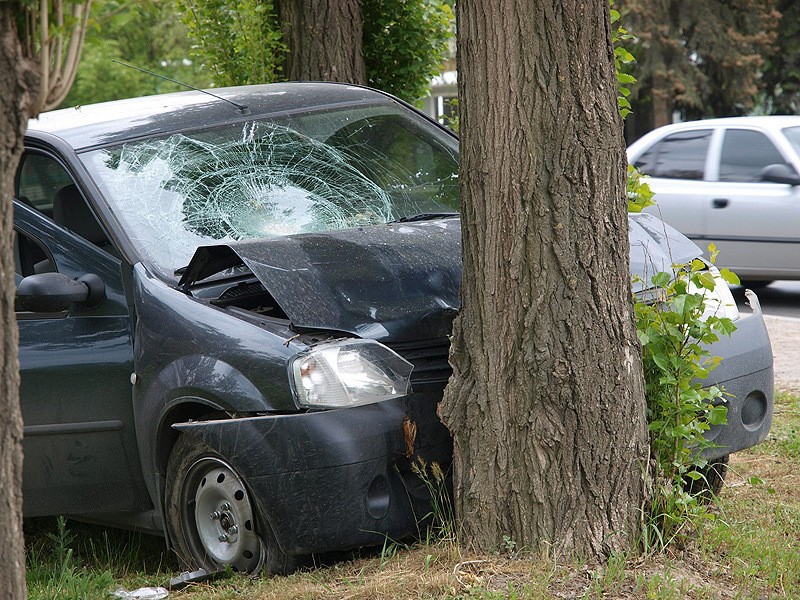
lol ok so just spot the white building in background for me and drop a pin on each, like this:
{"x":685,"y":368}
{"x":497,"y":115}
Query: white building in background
{"x":444,"y":90}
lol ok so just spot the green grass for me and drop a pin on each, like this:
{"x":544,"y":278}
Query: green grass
{"x":749,"y":549}
{"x":784,"y":437}
{"x":70,"y":560}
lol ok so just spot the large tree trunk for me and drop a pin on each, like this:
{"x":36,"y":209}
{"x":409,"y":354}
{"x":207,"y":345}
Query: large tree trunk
{"x":19,"y":86}
{"x":546,"y":404}
{"x":324,"y":39}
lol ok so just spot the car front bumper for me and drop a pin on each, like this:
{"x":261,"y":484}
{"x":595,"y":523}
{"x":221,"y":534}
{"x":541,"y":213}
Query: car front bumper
{"x":747,"y":378}
{"x":337,"y":479}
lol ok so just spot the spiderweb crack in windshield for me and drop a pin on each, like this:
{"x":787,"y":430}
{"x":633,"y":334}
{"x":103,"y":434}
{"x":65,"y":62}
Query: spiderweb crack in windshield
{"x":261,"y":180}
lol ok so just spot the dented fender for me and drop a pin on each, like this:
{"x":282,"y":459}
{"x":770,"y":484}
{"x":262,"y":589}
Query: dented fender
{"x":285,"y":443}
{"x":337,"y":478}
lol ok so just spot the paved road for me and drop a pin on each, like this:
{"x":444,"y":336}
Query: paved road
{"x":780,"y":298}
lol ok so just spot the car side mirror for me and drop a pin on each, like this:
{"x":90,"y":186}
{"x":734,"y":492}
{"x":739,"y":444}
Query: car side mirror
{"x":56,"y":292}
{"x":780,"y":174}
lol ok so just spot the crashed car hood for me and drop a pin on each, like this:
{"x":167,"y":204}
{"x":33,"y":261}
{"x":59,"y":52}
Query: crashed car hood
{"x":655,"y":247}
{"x":393,"y":282}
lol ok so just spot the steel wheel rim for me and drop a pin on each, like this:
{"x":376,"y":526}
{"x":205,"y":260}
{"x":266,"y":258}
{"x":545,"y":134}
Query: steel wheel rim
{"x":223,"y":516}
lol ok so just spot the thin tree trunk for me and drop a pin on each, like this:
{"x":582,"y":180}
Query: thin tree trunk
{"x":18,"y":90}
{"x":324,"y":39}
{"x":546,"y":404}
{"x":662,"y":111}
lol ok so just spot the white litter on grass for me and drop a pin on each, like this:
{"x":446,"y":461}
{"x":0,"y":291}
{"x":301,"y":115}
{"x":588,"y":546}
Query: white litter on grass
{"x":145,"y":593}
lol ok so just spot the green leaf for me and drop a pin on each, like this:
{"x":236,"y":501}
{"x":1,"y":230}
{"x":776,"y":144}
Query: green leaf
{"x":698,"y":265}
{"x":661,"y":361}
{"x":725,"y":326}
{"x":706,"y":280}
{"x":718,"y":415}
{"x":730,"y":276}
{"x":661,"y":279}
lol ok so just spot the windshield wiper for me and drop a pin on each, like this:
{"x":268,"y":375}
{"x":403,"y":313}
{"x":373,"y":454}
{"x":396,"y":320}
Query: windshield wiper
{"x":429,"y":216}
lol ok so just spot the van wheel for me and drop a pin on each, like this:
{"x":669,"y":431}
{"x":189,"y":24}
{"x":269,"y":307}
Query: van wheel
{"x":212,"y":521}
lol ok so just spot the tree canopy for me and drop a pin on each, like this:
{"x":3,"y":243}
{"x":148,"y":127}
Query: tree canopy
{"x":702,"y":59}
{"x":781,"y":76}
{"x":403,"y":41}
{"x":148,"y":34}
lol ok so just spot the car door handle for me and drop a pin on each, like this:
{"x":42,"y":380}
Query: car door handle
{"x":719,"y":202}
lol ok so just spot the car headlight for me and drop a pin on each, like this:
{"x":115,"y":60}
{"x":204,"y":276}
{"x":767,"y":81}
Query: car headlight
{"x":347,"y":373}
{"x":718,"y":302}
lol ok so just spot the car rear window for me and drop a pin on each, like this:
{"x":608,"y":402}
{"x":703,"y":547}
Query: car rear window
{"x":677,"y":156}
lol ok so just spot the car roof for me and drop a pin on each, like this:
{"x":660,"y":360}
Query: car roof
{"x":766,"y":122}
{"x":110,"y":123}
{"x":773,"y":122}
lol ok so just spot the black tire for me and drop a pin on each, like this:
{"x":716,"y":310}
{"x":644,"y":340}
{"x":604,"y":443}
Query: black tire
{"x":712,"y":478}
{"x":212,"y":519}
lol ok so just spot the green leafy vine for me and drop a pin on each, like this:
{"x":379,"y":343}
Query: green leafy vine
{"x":675,"y":328}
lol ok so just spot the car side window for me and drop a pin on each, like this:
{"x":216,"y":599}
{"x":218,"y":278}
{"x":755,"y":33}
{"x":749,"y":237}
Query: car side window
{"x":677,"y":156}
{"x":38,"y":180}
{"x":44,"y":184}
{"x":30,"y":257}
{"x":745,"y":153}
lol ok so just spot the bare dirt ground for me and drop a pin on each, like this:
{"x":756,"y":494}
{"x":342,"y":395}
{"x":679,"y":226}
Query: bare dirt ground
{"x":784,"y":333}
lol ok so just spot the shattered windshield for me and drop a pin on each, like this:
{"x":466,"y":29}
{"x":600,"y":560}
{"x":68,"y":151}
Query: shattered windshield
{"x":307,"y":172}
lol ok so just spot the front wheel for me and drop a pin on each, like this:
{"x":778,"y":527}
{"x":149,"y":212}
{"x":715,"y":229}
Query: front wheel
{"x":211,"y":518}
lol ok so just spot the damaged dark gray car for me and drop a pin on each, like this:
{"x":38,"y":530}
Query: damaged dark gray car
{"x":234,"y":318}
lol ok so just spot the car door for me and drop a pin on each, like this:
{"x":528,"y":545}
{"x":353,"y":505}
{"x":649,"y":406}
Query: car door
{"x":80,"y":453}
{"x":677,"y":167}
{"x":755,"y":224}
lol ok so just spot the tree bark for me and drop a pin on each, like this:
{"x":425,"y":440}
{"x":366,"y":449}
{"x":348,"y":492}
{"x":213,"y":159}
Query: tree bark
{"x":19,"y":87}
{"x":546,"y":404}
{"x":661,"y":98}
{"x":324,"y":39}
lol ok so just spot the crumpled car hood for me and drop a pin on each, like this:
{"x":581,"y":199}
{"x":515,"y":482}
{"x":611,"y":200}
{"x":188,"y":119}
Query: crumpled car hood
{"x":655,"y":247}
{"x":393,"y":282}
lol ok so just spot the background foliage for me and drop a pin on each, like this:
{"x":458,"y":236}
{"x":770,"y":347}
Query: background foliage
{"x":239,"y":42}
{"x":405,"y":43}
{"x":781,"y":75}
{"x":702,"y":59}
{"x":148,"y":34}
